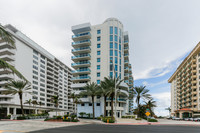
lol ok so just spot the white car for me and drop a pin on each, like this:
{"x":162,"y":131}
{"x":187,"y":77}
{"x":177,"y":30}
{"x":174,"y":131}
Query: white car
{"x":186,"y":119}
{"x":191,"y":119}
{"x":196,"y":119}
{"x":177,"y":118}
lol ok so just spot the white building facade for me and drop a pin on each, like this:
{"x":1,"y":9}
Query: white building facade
{"x":96,"y":49}
{"x":48,"y":76}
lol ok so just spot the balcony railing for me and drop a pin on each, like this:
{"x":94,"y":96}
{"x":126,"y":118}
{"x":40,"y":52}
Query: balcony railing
{"x":84,"y":70}
{"x":80,"y":49}
{"x":80,"y":42}
{"x":80,"y":35}
{"x":84,"y":77}
{"x":83,"y":63}
{"x":81,"y":56}
{"x":125,"y":41}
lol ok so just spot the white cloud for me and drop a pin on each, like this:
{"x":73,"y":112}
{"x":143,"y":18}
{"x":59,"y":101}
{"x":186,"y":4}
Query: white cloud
{"x":163,"y":101}
{"x":145,"y":83}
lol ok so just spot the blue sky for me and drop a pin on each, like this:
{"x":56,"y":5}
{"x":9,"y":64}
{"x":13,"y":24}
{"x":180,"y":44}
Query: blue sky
{"x":161,"y":32}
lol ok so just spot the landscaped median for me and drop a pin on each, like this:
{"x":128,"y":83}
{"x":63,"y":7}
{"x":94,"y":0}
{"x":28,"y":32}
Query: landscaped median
{"x":65,"y":118}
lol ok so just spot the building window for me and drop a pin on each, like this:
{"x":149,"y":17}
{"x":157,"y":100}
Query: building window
{"x":90,"y":104}
{"x":116,"y":30}
{"x":98,"y":59}
{"x":98,"y":104}
{"x":98,"y":67}
{"x":35,"y":62}
{"x":35,"y":72}
{"x":116,"y":68}
{"x":35,"y":82}
{"x":119,"y":46}
{"x":35,"y":77}
{"x":116,"y":53}
{"x":98,"y":81}
{"x":111,"y":74}
{"x":35,"y":67}
{"x":98,"y":38}
{"x":35,"y":52}
{"x":111,"y":38}
{"x":82,"y":104}
{"x":111,"y":45}
{"x":116,"y":60}
{"x":111,"y":52}
{"x":35,"y":87}
{"x":35,"y":57}
{"x":98,"y":31}
{"x":116,"y":39}
{"x":98,"y":52}
{"x":98,"y":74}
{"x":116,"y":46}
{"x":98,"y":45}
{"x":111,"y":30}
{"x":111,"y":59}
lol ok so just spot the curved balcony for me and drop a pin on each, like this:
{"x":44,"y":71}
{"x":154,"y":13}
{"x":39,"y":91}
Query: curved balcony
{"x":84,"y":78}
{"x":79,"y":64}
{"x":81,"y":36}
{"x":81,"y":50}
{"x":7,"y":51}
{"x":81,"y":43}
{"x":81,"y":57}
{"x":84,"y":71}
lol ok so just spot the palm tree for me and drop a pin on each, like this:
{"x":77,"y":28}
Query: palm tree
{"x":104,"y":91}
{"x":55,"y":100}
{"x":111,"y":83}
{"x":18,"y":87}
{"x":75,"y":99}
{"x":8,"y":38}
{"x":169,"y":109}
{"x":150,"y":104}
{"x":141,"y":93}
{"x":92,"y":90}
{"x":34,"y":102}
{"x":29,"y":102}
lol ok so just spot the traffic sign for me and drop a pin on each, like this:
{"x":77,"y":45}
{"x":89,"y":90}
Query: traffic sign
{"x":147,"y":113}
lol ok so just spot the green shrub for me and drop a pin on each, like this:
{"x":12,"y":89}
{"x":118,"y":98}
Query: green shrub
{"x":129,"y":116}
{"x":59,"y":117}
{"x":21,"y":118}
{"x":75,"y":120}
{"x":82,"y":114}
{"x":99,"y":118}
{"x":105,"y":119}
{"x":138,"y":118}
{"x":67,"y":120}
{"x":152,"y":120}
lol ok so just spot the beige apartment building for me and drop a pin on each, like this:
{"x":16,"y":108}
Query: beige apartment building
{"x":185,"y":86}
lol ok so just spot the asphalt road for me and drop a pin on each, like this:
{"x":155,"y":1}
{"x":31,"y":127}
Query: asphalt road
{"x":97,"y":128}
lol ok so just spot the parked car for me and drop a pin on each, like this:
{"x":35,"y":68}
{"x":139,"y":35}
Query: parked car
{"x":176,"y":118}
{"x":191,"y":119}
{"x":186,"y":119}
{"x":196,"y":119}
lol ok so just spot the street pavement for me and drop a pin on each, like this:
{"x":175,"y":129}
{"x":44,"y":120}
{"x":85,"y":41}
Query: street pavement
{"x":87,"y":125}
{"x":100,"y":128}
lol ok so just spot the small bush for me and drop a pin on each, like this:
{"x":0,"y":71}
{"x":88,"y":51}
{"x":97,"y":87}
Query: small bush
{"x":138,"y":118}
{"x":129,"y":117}
{"x":59,"y":117}
{"x":21,"y":118}
{"x":152,"y":120}
{"x":98,"y":118}
{"x":108,"y":119}
{"x":75,"y":120}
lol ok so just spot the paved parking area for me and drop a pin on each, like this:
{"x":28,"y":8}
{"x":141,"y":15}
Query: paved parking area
{"x":31,"y":125}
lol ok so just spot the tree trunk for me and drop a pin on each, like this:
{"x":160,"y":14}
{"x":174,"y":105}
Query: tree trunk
{"x":138,"y":103}
{"x":112,"y":107}
{"x":104,"y":106}
{"x":93,"y":106}
{"x":20,"y":97}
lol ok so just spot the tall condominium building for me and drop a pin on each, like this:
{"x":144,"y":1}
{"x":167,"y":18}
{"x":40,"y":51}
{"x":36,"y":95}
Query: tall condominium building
{"x":48,"y":76}
{"x":96,"y":50}
{"x":185,"y":86}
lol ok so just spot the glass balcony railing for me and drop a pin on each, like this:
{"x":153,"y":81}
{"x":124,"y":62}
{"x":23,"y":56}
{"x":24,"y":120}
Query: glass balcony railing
{"x":126,"y":61}
{"x":118,"y":99}
{"x":126,"y":68}
{"x":79,"y":42}
{"x":83,"y":70}
{"x":84,"y":77}
{"x":79,"y":49}
{"x":81,"y":56}
{"x":125,"y":54}
{"x":125,"y":47}
{"x":82,"y":34}
{"x":126,"y":81}
{"x":125,"y":41}
{"x":82,"y":63}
